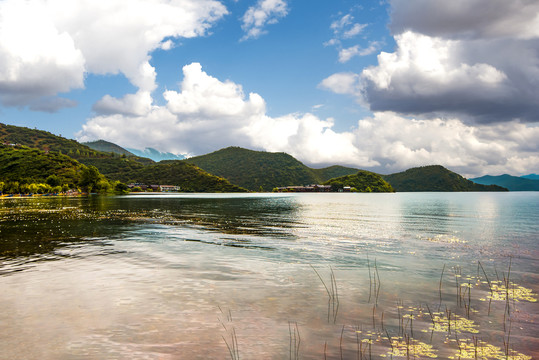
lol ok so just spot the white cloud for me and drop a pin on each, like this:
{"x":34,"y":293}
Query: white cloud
{"x":398,"y":143}
{"x":342,"y":83}
{"x":459,"y":19}
{"x":346,"y":28}
{"x":346,"y":54}
{"x":47,"y":46}
{"x":207,"y":114}
{"x":265,"y":12}
{"x":461,"y":58}
{"x":35,"y":63}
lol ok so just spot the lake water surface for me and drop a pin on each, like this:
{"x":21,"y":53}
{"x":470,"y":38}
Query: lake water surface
{"x":270,"y":276}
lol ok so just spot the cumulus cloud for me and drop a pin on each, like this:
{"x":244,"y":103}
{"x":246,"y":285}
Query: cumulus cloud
{"x":398,"y":143}
{"x":265,"y":12}
{"x":342,"y":83}
{"x":467,"y":18}
{"x":482,"y":72}
{"x":206,"y":114}
{"x":47,"y":46}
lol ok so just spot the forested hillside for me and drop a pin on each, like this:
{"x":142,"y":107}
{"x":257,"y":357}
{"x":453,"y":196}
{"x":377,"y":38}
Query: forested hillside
{"x":260,"y":170}
{"x":188,"y":176}
{"x":434,"y":178}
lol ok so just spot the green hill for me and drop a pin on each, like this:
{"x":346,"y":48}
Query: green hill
{"x":105,"y":146}
{"x":255,"y":170}
{"x":362,"y":181}
{"x":25,"y":165}
{"x":513,"y":183}
{"x":188,"y":176}
{"x":434,"y":178}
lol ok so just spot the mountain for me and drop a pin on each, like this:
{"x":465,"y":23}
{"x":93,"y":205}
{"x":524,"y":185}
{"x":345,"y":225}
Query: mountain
{"x":46,"y":153}
{"x":362,"y":181}
{"x":434,"y":178}
{"x":156,"y":155}
{"x":255,"y":170}
{"x":531,"y":176}
{"x":513,"y":183}
{"x":105,"y":146}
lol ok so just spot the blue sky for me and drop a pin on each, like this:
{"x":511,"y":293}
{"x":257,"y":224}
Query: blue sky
{"x":379,"y":85}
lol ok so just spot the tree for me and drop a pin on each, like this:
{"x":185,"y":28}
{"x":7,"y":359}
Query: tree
{"x":53,"y":181}
{"x":90,"y":176}
{"x":121,"y":187}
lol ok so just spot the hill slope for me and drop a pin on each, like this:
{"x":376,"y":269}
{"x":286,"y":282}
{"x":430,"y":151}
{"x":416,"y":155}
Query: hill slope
{"x":188,"y":176}
{"x":332,"y":172}
{"x":105,"y":146}
{"x":362,"y":181}
{"x":434,"y":178}
{"x":513,"y":183}
{"x":531,"y":176}
{"x":26,"y":165}
{"x":42,"y":140}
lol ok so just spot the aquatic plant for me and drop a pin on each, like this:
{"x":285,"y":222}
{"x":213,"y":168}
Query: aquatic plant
{"x":477,"y":349}
{"x":410,"y":348}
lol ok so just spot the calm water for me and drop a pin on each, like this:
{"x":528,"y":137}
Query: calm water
{"x":337,"y":276}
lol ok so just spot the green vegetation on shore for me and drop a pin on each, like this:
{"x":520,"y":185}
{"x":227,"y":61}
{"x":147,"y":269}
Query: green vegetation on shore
{"x":363,"y":181}
{"x":26,"y":170}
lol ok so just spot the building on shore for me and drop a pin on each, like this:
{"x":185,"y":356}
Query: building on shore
{"x":155,"y":188}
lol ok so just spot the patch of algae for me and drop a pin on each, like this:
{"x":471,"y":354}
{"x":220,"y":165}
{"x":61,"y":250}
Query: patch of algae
{"x":484,"y":351}
{"x":499,"y":292}
{"x":410,"y":349}
{"x":442,"y":323}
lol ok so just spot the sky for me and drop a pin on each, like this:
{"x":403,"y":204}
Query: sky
{"x":378,"y":85}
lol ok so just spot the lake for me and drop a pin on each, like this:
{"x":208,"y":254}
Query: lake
{"x":270,"y":276}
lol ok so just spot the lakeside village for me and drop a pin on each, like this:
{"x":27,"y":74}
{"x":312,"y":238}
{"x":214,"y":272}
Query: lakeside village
{"x":312,"y":188}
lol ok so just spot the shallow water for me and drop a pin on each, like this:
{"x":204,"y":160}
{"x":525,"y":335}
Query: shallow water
{"x":260,"y":276}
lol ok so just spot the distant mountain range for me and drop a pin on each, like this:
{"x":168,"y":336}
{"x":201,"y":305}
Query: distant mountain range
{"x":156,"y":155}
{"x":230,"y":169}
{"x":149,"y":153}
{"x":513,"y":183}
